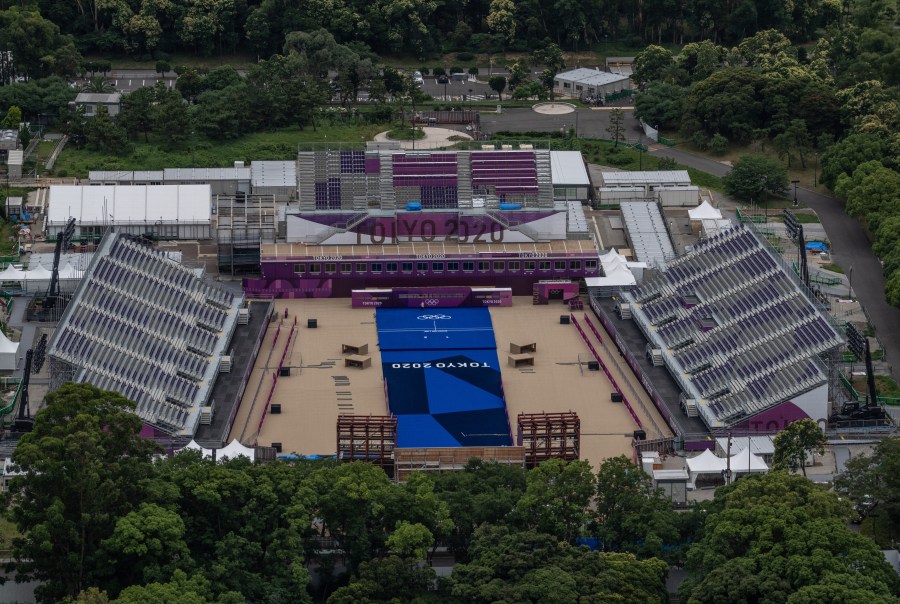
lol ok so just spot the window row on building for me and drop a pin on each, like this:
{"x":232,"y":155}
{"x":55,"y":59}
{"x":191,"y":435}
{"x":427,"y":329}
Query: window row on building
{"x":451,"y":266}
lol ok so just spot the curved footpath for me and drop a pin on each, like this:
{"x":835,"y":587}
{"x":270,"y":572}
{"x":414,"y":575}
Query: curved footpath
{"x":849,"y":247}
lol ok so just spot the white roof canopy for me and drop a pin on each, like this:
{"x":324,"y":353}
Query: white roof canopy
{"x":235,"y":449}
{"x":745,"y":461}
{"x":121,"y":204}
{"x":6,"y":345}
{"x":706,"y":463}
{"x":704,"y":211}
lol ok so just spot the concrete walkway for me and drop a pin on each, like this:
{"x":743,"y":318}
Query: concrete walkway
{"x":849,"y":248}
{"x":433,"y":139}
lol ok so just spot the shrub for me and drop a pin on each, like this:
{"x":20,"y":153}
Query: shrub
{"x":718,"y":144}
{"x":465,"y":56}
{"x":473,"y":71}
{"x":439,"y":71}
{"x":456,"y":69}
{"x":423,"y":71}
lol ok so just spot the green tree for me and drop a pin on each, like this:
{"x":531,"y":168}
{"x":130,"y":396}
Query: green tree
{"x":771,"y":537}
{"x":519,"y":73}
{"x":718,"y":144}
{"x":755,"y":176}
{"x":844,"y":156}
{"x":502,"y":19}
{"x":498,"y":85}
{"x":873,"y":481}
{"x":389,"y":579}
{"x":170,"y":117}
{"x":38,"y":49}
{"x":660,"y":103}
{"x":550,"y":57}
{"x":871,"y":193}
{"x":480,"y":493}
{"x":104,"y":134}
{"x":84,"y":467}
{"x":12,"y":119}
{"x":534,"y":567}
{"x":136,"y":113}
{"x":794,"y":444}
{"x":98,"y":84}
{"x":616,"y":128}
{"x":650,"y":64}
{"x":410,"y":540}
{"x":630,"y":514}
{"x":146,"y":546}
{"x":556,"y":498}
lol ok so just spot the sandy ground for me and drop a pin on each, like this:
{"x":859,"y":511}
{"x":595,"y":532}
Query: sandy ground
{"x":320,"y":386}
{"x":554,"y":108}
{"x":434,"y":138}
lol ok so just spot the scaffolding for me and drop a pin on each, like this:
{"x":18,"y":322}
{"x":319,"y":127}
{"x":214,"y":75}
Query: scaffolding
{"x":369,"y":438}
{"x":243,"y":223}
{"x":546,"y":436}
{"x":440,"y":459}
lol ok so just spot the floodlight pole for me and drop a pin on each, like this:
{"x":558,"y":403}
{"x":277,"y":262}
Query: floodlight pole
{"x":850,"y":280}
{"x":795,"y":192}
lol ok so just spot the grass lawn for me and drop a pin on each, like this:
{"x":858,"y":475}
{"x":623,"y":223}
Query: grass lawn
{"x":238,"y":61}
{"x":203,"y":153}
{"x":7,"y":533}
{"x":884,"y":385}
{"x":834,"y":268}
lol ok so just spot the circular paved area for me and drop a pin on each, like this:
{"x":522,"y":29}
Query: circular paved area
{"x":434,"y":137}
{"x":554,"y":108}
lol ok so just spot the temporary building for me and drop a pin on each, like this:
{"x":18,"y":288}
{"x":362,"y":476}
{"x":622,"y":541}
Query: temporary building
{"x":8,"y":350}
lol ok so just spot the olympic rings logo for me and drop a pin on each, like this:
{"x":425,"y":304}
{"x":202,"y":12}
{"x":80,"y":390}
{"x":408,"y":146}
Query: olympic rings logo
{"x":433,"y":317}
{"x":432,"y":302}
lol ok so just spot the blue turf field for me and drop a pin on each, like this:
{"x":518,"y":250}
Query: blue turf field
{"x":443,"y":377}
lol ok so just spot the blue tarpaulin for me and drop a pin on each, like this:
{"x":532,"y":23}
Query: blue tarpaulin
{"x":817,"y":246}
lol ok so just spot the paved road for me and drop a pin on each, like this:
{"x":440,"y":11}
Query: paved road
{"x":849,"y":248}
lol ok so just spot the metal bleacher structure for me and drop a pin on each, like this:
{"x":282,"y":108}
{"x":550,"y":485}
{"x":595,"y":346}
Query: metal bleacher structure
{"x":148,"y":328}
{"x":647,"y":232}
{"x":379,"y":179}
{"x":734,"y":329}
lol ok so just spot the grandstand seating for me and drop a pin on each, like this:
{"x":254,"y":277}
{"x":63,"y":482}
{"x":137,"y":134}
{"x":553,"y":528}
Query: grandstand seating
{"x":734,"y":325}
{"x":149,"y":328}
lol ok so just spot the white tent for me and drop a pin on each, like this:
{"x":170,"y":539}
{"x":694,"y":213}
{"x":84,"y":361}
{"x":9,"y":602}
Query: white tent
{"x":704,"y":212}
{"x":193,"y":446}
{"x":37,"y":278}
{"x":10,"y":273}
{"x":705,"y":463}
{"x":745,"y":462}
{"x":8,"y":352}
{"x":234,"y":450}
{"x":68,"y":272}
{"x":616,"y":271}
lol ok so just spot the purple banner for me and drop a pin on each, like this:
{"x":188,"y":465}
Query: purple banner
{"x":430,"y":297}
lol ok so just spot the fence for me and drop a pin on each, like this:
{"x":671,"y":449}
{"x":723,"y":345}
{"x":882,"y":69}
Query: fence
{"x":858,"y":396}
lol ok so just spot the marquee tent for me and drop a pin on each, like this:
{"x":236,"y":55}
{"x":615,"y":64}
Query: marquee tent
{"x":193,"y":446}
{"x":8,"y":352}
{"x":234,"y":450}
{"x":745,"y":462}
{"x":705,"y":463}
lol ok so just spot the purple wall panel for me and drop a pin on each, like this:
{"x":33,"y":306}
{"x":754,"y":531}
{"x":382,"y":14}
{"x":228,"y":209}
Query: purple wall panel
{"x":373,"y":165}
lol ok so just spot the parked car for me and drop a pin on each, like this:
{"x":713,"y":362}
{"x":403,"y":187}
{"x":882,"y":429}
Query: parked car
{"x":443,"y":79}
